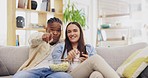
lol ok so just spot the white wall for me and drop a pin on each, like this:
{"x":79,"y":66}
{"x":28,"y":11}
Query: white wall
{"x":3,"y":22}
{"x":90,"y":7}
{"x":94,"y":22}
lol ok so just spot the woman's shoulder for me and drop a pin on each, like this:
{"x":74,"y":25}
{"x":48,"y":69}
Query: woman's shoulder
{"x":88,"y":46}
{"x":90,"y":49}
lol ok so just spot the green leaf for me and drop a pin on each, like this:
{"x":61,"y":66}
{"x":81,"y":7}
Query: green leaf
{"x":72,"y":14}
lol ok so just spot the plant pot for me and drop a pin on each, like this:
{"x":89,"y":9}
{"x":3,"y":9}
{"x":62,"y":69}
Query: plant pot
{"x":33,"y":4}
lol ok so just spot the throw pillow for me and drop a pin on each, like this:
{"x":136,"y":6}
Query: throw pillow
{"x":3,"y":69}
{"x":135,"y":64}
{"x":144,"y":73}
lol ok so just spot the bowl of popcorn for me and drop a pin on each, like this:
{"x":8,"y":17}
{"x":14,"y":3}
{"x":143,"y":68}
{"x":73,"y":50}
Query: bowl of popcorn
{"x":59,"y":65}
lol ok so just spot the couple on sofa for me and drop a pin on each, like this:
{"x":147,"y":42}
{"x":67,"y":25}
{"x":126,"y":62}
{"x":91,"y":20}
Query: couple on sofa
{"x":44,"y":46}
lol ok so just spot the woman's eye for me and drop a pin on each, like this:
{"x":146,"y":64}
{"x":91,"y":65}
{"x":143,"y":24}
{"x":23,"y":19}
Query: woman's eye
{"x":75,"y":30}
{"x":68,"y":31}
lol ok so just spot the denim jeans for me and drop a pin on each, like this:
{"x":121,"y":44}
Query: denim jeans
{"x":41,"y":73}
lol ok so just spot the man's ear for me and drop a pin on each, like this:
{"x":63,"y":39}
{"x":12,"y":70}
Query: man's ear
{"x":45,"y":28}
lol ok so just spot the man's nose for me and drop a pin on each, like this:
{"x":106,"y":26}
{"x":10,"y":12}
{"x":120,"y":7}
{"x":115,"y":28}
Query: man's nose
{"x":55,"y":32}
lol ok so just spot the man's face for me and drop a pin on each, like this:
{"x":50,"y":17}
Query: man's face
{"x":55,"y":29}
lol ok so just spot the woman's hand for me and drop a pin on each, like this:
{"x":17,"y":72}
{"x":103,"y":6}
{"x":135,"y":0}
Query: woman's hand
{"x":85,"y":56}
{"x":71,"y":54}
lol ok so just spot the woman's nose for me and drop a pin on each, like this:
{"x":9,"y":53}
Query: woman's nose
{"x":72,"y":33}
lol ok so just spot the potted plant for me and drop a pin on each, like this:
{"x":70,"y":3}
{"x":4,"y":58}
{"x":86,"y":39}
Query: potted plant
{"x":71,"y":13}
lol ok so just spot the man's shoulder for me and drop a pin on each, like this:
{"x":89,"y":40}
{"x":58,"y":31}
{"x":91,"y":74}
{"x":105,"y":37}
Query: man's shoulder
{"x":60,"y":44}
{"x":61,"y":40}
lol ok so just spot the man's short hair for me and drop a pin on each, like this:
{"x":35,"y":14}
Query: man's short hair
{"x":54,"y":19}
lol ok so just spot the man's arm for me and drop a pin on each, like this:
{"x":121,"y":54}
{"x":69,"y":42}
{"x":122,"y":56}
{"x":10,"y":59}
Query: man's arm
{"x":35,"y":39}
{"x":38,"y":38}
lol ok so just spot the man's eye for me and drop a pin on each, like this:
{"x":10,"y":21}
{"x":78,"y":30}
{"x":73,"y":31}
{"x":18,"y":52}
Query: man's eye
{"x":59,"y":30}
{"x":51,"y":29}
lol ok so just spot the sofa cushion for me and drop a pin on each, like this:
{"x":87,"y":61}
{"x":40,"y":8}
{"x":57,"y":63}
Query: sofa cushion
{"x":3,"y":69}
{"x":115,"y":56}
{"x":96,"y":74}
{"x":144,"y":73}
{"x":5,"y":76}
{"x":135,"y":64}
{"x":13,"y":57}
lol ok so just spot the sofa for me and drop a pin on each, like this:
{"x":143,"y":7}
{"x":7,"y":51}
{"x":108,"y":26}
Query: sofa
{"x":12,"y":57}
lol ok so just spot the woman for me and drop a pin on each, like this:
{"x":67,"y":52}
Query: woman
{"x":74,"y":49}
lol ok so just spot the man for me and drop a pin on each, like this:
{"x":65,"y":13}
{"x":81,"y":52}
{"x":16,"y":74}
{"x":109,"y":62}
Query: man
{"x":41,"y":45}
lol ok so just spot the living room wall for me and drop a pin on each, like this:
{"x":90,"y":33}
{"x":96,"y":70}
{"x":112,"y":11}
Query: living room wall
{"x":3,"y":22}
{"x":91,"y":31}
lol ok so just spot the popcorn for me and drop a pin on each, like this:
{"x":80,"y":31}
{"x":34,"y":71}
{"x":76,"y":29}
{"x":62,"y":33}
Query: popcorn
{"x":64,"y":66}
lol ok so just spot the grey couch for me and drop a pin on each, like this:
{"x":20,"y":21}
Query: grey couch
{"x":12,"y":57}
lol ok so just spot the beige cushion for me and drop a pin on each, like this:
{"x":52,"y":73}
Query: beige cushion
{"x":3,"y":69}
{"x":6,"y":77}
{"x":115,"y":56}
{"x":13,"y":57}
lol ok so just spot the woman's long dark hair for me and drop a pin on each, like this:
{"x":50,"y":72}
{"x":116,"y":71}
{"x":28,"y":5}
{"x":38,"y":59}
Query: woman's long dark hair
{"x":81,"y":44}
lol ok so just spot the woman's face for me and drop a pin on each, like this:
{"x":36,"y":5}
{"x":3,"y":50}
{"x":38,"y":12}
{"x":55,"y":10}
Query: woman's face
{"x":73,"y":33}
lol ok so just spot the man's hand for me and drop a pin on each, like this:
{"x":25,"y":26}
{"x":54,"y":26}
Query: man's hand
{"x":47,"y":37}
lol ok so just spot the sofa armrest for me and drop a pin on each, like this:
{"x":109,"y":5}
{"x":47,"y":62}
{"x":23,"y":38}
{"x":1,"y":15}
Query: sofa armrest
{"x":13,"y":57}
{"x":3,"y":69}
